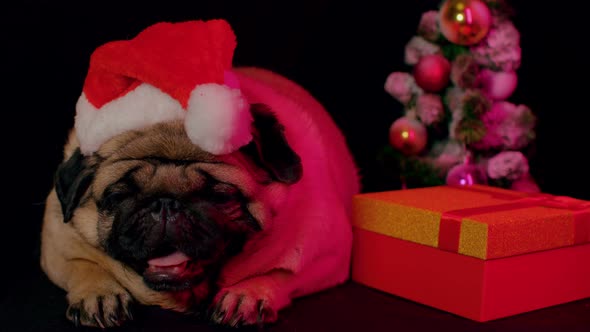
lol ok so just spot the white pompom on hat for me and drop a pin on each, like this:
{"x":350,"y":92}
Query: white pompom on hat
{"x":169,"y":71}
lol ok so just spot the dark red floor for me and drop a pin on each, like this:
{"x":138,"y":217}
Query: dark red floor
{"x":37,"y":305}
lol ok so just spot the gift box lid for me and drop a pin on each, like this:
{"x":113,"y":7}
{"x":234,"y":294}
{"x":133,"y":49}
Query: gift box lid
{"x":479,"y":221}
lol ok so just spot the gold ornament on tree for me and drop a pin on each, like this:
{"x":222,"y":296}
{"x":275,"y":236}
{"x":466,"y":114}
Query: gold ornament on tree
{"x":464,"y":22}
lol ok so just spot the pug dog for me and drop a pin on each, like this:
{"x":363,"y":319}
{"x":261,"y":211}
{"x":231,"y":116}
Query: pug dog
{"x":148,"y":216}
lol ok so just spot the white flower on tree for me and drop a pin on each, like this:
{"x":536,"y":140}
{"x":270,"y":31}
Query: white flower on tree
{"x":418,"y":47}
{"x":510,"y":165}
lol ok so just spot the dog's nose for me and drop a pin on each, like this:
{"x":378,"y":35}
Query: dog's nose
{"x":166,"y":209}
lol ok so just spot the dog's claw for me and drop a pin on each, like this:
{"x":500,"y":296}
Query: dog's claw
{"x":217,"y":313}
{"x":124,"y":311}
{"x":229,"y":316}
{"x":98,"y":321}
{"x":217,"y":316}
{"x":77,"y":318}
{"x":114,"y":321}
{"x":220,"y":302}
{"x":74,"y":314}
{"x":235,"y":321}
{"x":260,"y":317}
{"x":98,"y":317}
{"x":101,"y":311}
{"x":264,"y":312}
{"x":236,"y":316}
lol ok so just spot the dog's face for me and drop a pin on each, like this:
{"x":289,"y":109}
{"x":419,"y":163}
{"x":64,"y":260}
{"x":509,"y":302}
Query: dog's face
{"x":173,"y":213}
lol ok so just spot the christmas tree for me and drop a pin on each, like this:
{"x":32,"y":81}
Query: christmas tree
{"x":458,"y":125}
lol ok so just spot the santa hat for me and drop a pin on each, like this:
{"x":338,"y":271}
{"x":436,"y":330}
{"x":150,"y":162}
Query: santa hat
{"x":169,"y":71}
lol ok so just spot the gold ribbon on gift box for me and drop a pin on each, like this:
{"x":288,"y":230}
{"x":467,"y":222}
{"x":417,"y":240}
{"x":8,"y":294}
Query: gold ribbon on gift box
{"x":482,"y":229}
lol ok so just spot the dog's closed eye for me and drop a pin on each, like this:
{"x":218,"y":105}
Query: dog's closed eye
{"x":112,"y":198}
{"x":115,"y":194}
{"x":222,"y":193}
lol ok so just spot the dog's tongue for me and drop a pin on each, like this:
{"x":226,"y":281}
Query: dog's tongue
{"x":175,"y":259}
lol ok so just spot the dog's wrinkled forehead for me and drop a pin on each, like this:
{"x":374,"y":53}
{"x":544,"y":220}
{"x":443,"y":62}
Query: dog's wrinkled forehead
{"x":167,"y":141}
{"x":163,"y":159}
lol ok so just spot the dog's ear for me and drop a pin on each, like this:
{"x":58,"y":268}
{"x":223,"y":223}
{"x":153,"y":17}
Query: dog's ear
{"x":270,"y":149}
{"x":72,"y":179}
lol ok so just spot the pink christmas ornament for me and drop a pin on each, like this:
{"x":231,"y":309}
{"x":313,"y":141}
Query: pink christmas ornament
{"x":408,"y":136}
{"x":497,"y":85}
{"x":432,"y":72}
{"x":466,"y":175}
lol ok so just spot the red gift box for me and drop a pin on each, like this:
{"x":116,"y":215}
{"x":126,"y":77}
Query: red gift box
{"x":479,"y":252}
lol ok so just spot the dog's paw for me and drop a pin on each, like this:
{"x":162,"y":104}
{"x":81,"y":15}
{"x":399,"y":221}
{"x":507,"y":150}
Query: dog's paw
{"x":242,"y":308}
{"x":253,"y":301}
{"x":102,"y":309}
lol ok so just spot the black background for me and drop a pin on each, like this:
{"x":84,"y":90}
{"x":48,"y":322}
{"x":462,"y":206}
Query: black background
{"x":340,"y":51}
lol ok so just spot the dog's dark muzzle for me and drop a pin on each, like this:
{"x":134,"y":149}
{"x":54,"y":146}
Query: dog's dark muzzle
{"x":169,"y":217}
{"x":168,"y":241}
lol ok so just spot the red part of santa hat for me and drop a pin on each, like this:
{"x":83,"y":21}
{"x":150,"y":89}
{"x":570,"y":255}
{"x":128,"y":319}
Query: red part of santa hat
{"x":169,"y":71}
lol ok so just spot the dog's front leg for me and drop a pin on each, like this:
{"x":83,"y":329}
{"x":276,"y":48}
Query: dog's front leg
{"x":95,"y":298}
